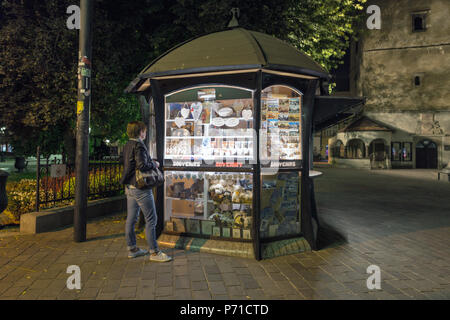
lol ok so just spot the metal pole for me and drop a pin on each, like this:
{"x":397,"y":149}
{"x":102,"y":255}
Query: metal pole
{"x":38,"y":176}
{"x":83,"y":111}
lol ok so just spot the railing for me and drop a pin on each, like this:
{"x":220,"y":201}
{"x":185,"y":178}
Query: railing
{"x":56,"y":181}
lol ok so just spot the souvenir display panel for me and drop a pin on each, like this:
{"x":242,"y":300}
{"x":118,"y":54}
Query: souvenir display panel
{"x":280,"y":124}
{"x":213,"y":123}
{"x":217,"y":204}
{"x":280,"y":204}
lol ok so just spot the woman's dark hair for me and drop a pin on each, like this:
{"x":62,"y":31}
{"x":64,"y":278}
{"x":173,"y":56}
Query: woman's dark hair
{"x":134,"y":129}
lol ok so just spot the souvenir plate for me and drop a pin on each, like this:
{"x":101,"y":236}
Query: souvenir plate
{"x":225,"y":112}
{"x":218,"y":122}
{"x":231,"y":122}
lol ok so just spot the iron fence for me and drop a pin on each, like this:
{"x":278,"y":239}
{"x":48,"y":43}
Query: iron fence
{"x":56,"y":181}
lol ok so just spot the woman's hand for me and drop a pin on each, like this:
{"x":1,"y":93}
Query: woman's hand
{"x":157,"y":163}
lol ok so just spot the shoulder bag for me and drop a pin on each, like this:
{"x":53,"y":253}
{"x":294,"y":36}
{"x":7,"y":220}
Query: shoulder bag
{"x":149,"y":179}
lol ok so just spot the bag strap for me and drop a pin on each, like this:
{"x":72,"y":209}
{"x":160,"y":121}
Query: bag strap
{"x":145,"y":148}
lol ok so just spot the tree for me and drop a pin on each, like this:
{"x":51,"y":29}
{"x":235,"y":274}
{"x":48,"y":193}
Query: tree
{"x":38,"y":55}
{"x":38,"y":71}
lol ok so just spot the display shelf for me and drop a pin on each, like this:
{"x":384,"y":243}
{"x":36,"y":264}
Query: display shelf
{"x":189,"y":157}
{"x":187,"y":199}
{"x":206,"y":137}
{"x":178,"y":216}
{"x":193,"y":120}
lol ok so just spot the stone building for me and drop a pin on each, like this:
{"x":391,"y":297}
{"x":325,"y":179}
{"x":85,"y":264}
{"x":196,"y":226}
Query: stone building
{"x":402,"y":70}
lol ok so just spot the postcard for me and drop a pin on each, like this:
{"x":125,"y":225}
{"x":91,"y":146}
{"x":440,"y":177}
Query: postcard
{"x":192,"y":226}
{"x":207,"y":227}
{"x":226,"y":232}
{"x":216,"y":231}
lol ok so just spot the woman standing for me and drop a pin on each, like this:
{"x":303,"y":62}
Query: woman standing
{"x":135,"y":156}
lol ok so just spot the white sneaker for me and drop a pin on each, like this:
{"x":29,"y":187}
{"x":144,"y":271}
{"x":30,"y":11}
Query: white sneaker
{"x":160,"y":257}
{"x":139,"y":252}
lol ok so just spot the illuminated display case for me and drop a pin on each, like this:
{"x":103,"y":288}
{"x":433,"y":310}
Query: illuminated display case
{"x":280,"y":205}
{"x":209,"y":124}
{"x":211,"y":127}
{"x":209,"y":204}
{"x":280,"y":123}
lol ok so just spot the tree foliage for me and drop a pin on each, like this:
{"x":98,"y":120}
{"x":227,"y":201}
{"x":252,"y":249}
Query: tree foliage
{"x":38,"y":54}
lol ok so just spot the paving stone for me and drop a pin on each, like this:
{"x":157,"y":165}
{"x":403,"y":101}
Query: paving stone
{"x":217,"y":287}
{"x":277,"y":276}
{"x":41,"y":284}
{"x":197,"y":275}
{"x":199,"y":285}
{"x":13,"y":292}
{"x":255,"y":294}
{"x":182,"y":282}
{"x":164,"y":280}
{"x":130,"y":282}
{"x":230,"y":279}
{"x":201,"y":295}
{"x":89,"y":293}
{"x":248,"y":282}
{"x":30,"y":294}
{"x":183,"y":294}
{"x":126,"y":293}
{"x":212,"y":269}
{"x":163,"y":291}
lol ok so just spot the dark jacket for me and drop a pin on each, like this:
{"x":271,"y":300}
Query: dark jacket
{"x":135,"y":156}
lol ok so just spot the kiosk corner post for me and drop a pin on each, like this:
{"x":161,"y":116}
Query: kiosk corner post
{"x":83,"y":113}
{"x":257,"y":170}
{"x":306,"y":216}
{"x":158,"y":108}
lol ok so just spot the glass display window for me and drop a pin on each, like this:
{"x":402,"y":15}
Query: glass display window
{"x":406,"y":151}
{"x":280,"y":123}
{"x":401,"y":151}
{"x":210,"y":204}
{"x":396,"y":151}
{"x":280,"y":204}
{"x":212,"y":124}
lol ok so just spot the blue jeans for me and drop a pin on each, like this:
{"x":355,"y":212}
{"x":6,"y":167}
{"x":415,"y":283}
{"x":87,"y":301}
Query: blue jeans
{"x":142,"y":199}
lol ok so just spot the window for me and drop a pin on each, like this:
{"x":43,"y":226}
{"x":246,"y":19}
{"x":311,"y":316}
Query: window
{"x":280,"y":205}
{"x":209,"y":123}
{"x":209,"y":204}
{"x":281,"y":123}
{"x":417,"y":81}
{"x":395,"y":151}
{"x":418,"y":22}
{"x":401,"y":151}
{"x":339,"y":150}
{"x":406,"y":151}
{"x":356,"y":149}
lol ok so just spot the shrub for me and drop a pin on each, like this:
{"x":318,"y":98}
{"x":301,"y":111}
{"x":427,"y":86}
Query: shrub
{"x":21,"y":198}
{"x":22,"y":194}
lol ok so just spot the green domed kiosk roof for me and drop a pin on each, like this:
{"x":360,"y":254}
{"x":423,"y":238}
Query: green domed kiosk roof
{"x":232,"y":49}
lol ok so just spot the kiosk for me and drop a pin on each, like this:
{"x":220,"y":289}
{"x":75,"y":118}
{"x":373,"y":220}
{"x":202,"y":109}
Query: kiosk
{"x":232,"y":128}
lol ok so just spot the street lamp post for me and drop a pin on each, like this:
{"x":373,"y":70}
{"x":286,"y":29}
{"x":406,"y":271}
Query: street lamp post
{"x":83,"y":112}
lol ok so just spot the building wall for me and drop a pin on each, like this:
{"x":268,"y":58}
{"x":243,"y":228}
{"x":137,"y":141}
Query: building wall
{"x":386,"y":62}
{"x":394,"y":55}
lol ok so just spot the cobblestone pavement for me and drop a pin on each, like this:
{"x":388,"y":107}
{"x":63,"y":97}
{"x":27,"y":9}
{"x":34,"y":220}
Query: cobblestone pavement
{"x":398,"y":221}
